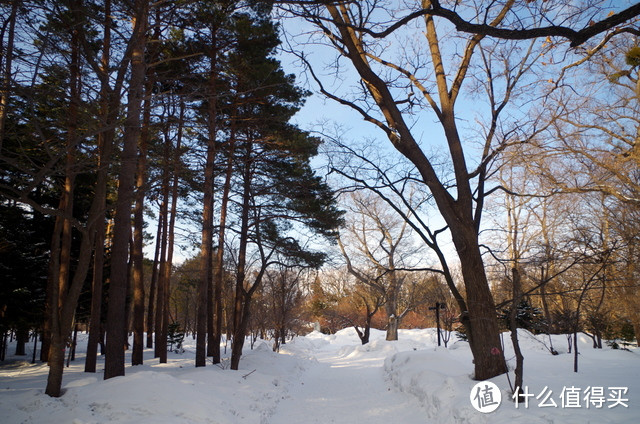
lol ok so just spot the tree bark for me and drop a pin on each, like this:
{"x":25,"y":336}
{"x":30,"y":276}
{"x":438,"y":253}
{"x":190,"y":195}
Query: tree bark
{"x":153,"y":285}
{"x":219,"y":260}
{"x":239,"y":312}
{"x":393,"y":320}
{"x":114,"y":364}
{"x":62,"y":317}
{"x":392,"y":327}
{"x":22,"y":337}
{"x":74,"y":344}
{"x":212,"y":117}
{"x":160,"y":342}
{"x":95,"y":327}
{"x":63,"y":305}
{"x":51,"y":302}
{"x":56,"y":363}
{"x":517,"y":296}
{"x":61,"y":253}
{"x":206,"y":254}
{"x":137,"y":255}
{"x":484,"y":336}
{"x":106,"y":137}
{"x":240,"y":330}
{"x":64,"y":293}
{"x":171,"y":239}
{"x":5,"y":88}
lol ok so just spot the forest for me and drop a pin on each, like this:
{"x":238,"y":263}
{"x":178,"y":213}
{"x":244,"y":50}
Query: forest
{"x":230,"y":171}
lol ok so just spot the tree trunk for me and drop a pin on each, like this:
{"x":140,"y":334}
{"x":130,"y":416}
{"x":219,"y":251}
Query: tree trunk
{"x":545,"y":304}
{"x":513,"y":324}
{"x":63,"y":305}
{"x":22,"y":337}
{"x":206,"y":254}
{"x":392,"y":327}
{"x":62,"y":316}
{"x":167,"y":274}
{"x":5,"y":88}
{"x":160,"y":343}
{"x":105,"y":146}
{"x":212,"y":117}
{"x":137,"y":255}
{"x":210,"y":311}
{"x":74,"y":344}
{"x":365,"y":333}
{"x":392,"y":307}
{"x":484,"y":335}
{"x":51,"y":301}
{"x":65,"y":293}
{"x":114,"y":364}
{"x":240,"y":330}
{"x":3,"y":345}
{"x":129,"y":296}
{"x":239,"y":312}
{"x":171,"y":239}
{"x":575,"y":351}
{"x":56,"y":364}
{"x":153,"y":285}
{"x":95,"y":327}
{"x":219,"y":261}
{"x":61,"y":252}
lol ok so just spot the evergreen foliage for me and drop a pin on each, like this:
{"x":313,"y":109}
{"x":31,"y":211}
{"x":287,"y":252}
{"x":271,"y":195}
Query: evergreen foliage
{"x":24,"y":248}
{"x":527,"y":316}
{"x":175,"y":337}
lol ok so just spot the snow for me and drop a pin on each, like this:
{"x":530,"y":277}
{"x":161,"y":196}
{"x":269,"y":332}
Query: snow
{"x":330,"y":379}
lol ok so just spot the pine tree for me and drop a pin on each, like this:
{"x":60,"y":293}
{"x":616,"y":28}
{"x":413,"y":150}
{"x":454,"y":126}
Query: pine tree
{"x":175,"y":337}
{"x":276,"y":184}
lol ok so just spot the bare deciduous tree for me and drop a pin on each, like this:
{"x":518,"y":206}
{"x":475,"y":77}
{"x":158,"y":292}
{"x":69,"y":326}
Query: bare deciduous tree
{"x":399,"y":78}
{"x":376,"y":245}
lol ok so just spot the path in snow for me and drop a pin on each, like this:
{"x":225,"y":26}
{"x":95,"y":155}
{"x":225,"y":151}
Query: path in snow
{"x":346,"y":388}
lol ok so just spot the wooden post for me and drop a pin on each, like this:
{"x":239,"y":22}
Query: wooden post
{"x":437,"y":309}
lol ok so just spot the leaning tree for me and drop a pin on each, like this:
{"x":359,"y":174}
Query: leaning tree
{"x":406,"y":63}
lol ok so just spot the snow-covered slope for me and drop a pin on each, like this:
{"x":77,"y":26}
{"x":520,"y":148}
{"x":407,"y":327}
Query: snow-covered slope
{"x":332,"y":379}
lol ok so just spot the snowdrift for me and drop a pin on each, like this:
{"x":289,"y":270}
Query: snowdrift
{"x":333,"y":378}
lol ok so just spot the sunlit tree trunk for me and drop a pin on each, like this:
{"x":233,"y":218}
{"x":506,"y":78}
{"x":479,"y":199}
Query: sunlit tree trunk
{"x":60,"y":323}
{"x":114,"y":363}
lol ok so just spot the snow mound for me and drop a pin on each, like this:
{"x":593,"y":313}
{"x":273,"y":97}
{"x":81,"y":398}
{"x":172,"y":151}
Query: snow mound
{"x":378,"y":346}
{"x":437,"y":379}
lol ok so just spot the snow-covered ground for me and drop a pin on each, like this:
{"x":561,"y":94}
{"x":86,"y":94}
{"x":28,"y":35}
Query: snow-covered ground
{"x":333,"y":379}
